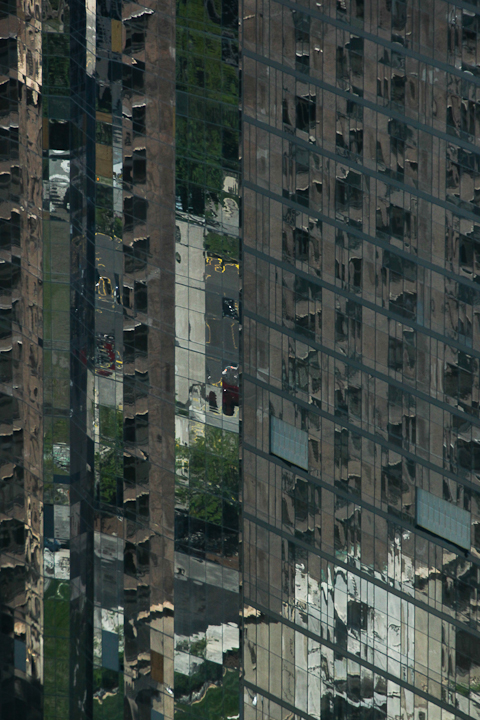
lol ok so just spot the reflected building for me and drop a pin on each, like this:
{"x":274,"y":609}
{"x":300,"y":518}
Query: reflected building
{"x":360,"y":362}
{"x":87,"y":360}
{"x":239,"y":360}
{"x":207,"y":356}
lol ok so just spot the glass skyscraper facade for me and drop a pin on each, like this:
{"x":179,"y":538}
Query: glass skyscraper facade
{"x":207,"y":355}
{"x":361,"y":340}
{"x":239,"y":360}
{"x":87,"y":356}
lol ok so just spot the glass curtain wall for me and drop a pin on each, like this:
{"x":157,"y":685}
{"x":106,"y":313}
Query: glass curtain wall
{"x":21,"y":361}
{"x":86,"y":360}
{"x":208,"y":317}
{"x":122,"y":351}
{"x":361,"y":424}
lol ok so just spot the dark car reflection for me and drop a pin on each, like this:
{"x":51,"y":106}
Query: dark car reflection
{"x":230,"y":308}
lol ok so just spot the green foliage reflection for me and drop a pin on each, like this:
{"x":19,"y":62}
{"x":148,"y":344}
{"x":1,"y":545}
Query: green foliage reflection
{"x":210,"y":701}
{"x":211,"y":464}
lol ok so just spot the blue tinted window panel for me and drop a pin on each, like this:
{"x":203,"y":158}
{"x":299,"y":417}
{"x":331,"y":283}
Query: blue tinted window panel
{"x":289,"y":443}
{"x":444,"y":519}
{"x":48,"y":523}
{"x":20,"y":655}
{"x":110,"y":650}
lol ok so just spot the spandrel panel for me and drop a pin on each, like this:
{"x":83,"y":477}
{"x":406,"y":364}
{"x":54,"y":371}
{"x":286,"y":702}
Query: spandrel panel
{"x":443,"y":518}
{"x":289,"y":442}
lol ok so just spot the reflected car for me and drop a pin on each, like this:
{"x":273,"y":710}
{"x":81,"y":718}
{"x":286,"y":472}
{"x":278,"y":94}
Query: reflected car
{"x":230,"y":308}
{"x":105,"y":355}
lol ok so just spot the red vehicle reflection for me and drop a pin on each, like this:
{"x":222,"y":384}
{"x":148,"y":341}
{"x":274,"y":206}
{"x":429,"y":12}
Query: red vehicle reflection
{"x":230,"y":389}
{"x":105,"y":355}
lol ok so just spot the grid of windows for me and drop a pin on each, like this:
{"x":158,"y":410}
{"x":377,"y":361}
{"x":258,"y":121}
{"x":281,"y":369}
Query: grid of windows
{"x":239,"y":369}
{"x":360,"y":219}
{"x":207,"y":327}
{"x":86,"y":360}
